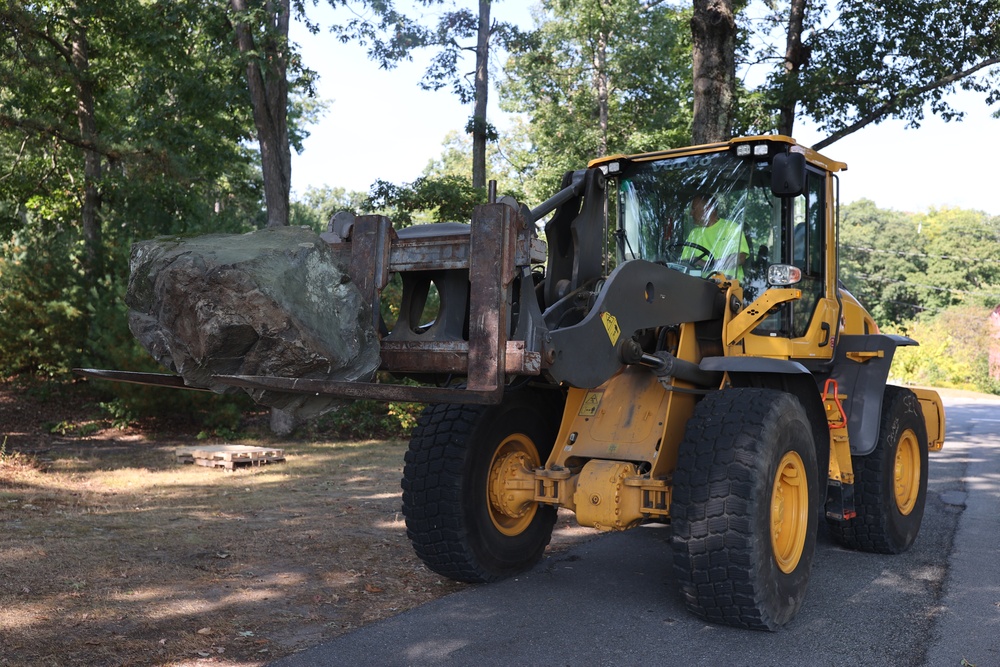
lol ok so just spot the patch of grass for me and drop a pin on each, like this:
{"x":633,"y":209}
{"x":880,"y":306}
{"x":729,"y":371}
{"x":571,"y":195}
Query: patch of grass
{"x":16,"y":461}
{"x":119,"y":412}
{"x":73,"y":428}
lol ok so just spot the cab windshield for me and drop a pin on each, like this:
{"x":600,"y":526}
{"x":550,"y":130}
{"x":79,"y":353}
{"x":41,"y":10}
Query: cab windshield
{"x":702,"y":214}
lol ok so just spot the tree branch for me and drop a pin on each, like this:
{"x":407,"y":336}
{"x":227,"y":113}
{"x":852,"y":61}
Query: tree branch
{"x":38,"y":128}
{"x":895,"y":102}
{"x":18,"y":20}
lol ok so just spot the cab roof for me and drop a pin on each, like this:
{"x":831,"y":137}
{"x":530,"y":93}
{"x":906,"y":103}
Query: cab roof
{"x":773,"y":140}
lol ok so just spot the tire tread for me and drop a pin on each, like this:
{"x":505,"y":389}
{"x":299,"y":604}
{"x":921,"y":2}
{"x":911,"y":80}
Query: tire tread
{"x":714,"y":536}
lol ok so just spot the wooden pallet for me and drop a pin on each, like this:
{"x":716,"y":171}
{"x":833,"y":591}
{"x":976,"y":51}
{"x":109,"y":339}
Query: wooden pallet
{"x":229,"y":456}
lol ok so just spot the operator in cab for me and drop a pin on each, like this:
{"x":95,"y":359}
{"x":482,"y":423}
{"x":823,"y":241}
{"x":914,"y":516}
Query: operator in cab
{"x":715,"y":243}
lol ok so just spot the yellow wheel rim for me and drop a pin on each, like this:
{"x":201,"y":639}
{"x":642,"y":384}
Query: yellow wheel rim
{"x":906,"y":472}
{"x":789,"y":512}
{"x":510,"y":490}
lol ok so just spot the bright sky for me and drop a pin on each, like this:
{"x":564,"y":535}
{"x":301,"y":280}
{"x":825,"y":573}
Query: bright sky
{"x":381,"y":125}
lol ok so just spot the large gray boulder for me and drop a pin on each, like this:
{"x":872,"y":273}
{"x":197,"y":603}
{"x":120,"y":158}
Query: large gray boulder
{"x":271,"y":302}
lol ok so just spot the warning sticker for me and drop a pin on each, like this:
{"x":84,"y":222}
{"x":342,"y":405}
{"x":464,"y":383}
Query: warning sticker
{"x":611,"y":324}
{"x":590,"y":404}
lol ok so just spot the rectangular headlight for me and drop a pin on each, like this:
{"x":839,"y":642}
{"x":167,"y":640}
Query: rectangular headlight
{"x":783,"y":274}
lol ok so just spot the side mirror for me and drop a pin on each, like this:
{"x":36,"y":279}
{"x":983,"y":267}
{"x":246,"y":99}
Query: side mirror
{"x":788,"y":174}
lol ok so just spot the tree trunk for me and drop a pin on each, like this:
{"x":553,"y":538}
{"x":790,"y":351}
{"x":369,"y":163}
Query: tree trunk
{"x":795,"y":58}
{"x":268,"y":86}
{"x":479,"y":125}
{"x":90,"y":210}
{"x":601,"y":88}
{"x":266,"y":80}
{"x":713,"y":32}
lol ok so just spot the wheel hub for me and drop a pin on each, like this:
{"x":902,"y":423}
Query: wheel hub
{"x":511,"y":487}
{"x":789,"y":512}
{"x":906,"y":472}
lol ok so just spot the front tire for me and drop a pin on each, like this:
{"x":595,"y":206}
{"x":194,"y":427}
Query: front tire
{"x":744,"y":508}
{"x":890,"y":483}
{"x":456,"y":519}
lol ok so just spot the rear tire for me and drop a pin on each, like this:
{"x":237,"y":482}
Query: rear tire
{"x":744,"y":508}
{"x":456,"y":526}
{"x":890,"y":484}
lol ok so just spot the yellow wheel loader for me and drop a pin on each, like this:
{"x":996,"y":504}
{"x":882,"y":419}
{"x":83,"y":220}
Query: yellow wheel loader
{"x":678,"y":350}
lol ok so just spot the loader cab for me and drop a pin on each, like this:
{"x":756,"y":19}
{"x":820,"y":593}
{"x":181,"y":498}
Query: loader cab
{"x":728,"y":212}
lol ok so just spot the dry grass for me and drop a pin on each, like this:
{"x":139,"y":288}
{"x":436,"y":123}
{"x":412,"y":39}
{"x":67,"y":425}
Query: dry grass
{"x":114,"y":554}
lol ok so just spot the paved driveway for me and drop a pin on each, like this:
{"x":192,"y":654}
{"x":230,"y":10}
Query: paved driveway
{"x":612,"y":600}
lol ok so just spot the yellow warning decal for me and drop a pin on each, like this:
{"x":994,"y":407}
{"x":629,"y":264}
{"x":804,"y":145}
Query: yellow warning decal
{"x":611,"y":324}
{"x":590,"y":403}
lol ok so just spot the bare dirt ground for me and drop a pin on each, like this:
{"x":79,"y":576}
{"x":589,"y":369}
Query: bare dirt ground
{"x":113,"y":553}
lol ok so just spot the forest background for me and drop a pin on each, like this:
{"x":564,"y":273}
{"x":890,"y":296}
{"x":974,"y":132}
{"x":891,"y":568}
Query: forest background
{"x":123,"y":121}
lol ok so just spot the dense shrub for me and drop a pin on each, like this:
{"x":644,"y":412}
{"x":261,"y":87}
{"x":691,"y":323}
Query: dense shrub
{"x":42,"y":304}
{"x":953,"y":352}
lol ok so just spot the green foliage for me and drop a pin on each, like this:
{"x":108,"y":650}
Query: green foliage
{"x":931,"y":276}
{"x":953,"y":352}
{"x":170,"y":129}
{"x":317,"y":205}
{"x":456,"y":161}
{"x":962,"y":257}
{"x":42,"y":302}
{"x":596,"y":77}
{"x":119,"y":412}
{"x":869,"y":62}
{"x":427,"y":199}
{"x":902,"y":264}
{"x":370,"y":419}
{"x":455,"y":34}
{"x":880,"y":260}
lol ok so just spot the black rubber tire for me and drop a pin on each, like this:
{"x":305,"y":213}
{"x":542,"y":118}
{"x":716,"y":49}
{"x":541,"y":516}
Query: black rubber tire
{"x":724,"y":556}
{"x":445,"y":486}
{"x":880,"y":525}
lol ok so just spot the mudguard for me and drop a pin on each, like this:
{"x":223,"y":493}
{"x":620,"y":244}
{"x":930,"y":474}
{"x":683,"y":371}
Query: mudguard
{"x":861,"y":367}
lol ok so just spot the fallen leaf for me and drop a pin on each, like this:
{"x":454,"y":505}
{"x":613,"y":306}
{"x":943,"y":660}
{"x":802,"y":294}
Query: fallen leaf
{"x":205,"y":631}
{"x":371,"y":588}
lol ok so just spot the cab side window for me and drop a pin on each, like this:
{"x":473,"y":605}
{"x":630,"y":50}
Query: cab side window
{"x":807,"y":250}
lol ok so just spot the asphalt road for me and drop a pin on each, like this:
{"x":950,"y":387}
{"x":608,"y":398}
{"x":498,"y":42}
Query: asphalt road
{"x":612,"y":600}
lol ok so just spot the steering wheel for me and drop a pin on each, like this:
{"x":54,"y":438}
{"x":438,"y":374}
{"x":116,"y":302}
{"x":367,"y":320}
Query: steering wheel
{"x":691,"y":263}
{"x":703,"y":252}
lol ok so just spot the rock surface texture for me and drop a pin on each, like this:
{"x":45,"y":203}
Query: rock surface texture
{"x":271,"y":302}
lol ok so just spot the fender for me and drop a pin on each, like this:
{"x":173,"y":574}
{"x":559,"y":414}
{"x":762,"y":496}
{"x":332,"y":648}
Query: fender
{"x":861,"y":367}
